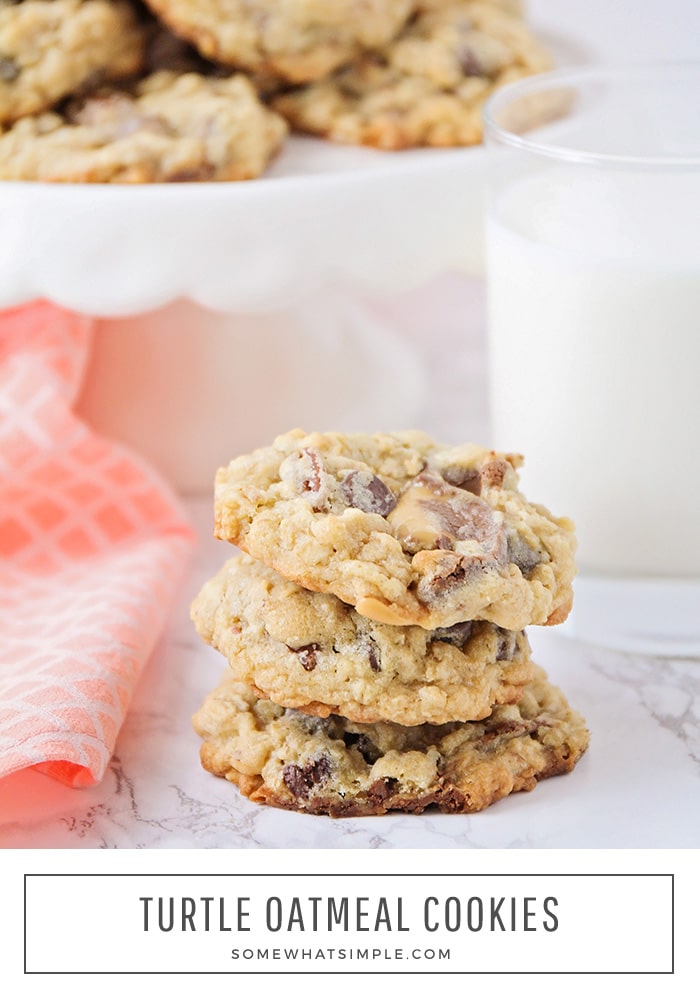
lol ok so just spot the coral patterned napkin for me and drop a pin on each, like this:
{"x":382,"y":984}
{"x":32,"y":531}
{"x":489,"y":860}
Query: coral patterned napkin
{"x":91,"y":548}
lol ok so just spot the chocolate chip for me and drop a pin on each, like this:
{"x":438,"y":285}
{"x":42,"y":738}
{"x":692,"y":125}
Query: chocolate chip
{"x":364,"y":746}
{"x":9,"y":69}
{"x":167,"y":51}
{"x":456,"y":635}
{"x":469,"y":61}
{"x":382,"y":789}
{"x":307,"y":655}
{"x":449,"y":572}
{"x":507,"y":644}
{"x":373,"y":656}
{"x":90,"y":86}
{"x":300,"y":780}
{"x":367,"y":492}
{"x":465,"y":479}
{"x":522,"y":554}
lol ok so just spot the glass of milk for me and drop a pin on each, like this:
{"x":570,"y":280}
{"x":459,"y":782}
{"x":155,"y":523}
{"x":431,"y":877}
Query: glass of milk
{"x":593,"y":277}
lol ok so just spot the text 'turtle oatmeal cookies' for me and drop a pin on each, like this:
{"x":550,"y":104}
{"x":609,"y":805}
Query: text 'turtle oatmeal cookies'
{"x":408,"y":531}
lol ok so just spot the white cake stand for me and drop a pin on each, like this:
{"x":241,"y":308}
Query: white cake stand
{"x":323,"y":212}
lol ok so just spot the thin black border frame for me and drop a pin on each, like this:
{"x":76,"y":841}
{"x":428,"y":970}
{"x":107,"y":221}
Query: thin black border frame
{"x":358,"y":972}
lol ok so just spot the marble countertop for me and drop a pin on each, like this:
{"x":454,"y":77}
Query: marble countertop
{"x":637,"y":787}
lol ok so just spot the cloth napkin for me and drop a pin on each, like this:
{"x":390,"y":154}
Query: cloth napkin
{"x":92,"y":545}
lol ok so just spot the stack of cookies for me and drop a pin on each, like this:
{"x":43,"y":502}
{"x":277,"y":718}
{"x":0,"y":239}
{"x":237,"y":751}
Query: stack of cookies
{"x":177,"y":90}
{"x":374,"y":627}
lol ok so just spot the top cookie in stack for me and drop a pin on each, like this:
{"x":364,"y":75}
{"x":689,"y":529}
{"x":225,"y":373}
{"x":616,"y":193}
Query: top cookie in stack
{"x":408,"y":531}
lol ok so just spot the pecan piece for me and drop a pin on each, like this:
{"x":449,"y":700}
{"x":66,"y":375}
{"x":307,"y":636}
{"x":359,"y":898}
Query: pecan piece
{"x":306,"y":473}
{"x":493,"y":473}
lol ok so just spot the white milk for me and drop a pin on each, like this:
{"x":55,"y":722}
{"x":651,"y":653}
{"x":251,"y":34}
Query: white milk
{"x":594,"y":316}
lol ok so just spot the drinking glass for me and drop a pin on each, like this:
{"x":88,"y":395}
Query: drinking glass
{"x":593,"y":284}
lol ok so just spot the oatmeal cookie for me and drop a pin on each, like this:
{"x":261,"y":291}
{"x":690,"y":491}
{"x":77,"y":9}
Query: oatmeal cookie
{"x":311,"y":651}
{"x":171,"y":128}
{"x":297,"y":40}
{"x":408,"y":531}
{"x":427,"y":87}
{"x":282,"y":757}
{"x":50,"y":48}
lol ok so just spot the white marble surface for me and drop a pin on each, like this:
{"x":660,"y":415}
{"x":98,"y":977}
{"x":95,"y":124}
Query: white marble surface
{"x":637,"y":787}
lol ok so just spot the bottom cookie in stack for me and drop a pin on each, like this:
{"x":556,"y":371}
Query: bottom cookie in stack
{"x":325,"y":711}
{"x":283,"y":757}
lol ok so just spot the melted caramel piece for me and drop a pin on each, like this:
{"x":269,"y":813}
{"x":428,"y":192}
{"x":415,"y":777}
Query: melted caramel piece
{"x":416,"y":521}
{"x":433,"y":514}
